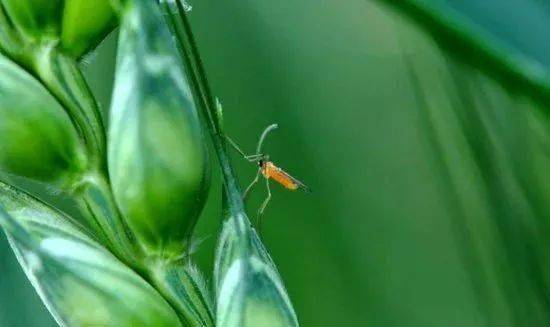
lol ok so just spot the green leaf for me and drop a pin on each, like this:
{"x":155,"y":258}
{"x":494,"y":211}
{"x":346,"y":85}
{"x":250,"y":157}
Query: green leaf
{"x":38,"y":139}
{"x":81,"y":283}
{"x":157,"y":153}
{"x":468,"y":39}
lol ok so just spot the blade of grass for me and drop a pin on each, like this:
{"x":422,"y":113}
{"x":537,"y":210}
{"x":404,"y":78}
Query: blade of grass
{"x":472,"y":46}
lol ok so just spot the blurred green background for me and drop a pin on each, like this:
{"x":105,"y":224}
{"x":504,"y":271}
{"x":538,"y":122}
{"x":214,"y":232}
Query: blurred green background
{"x":429,"y":164}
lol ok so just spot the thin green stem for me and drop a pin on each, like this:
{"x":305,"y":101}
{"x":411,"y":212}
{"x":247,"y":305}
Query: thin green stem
{"x":209,"y":106}
{"x":216,"y":128}
{"x":201,"y":72}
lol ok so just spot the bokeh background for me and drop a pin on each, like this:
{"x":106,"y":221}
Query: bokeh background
{"x":429,"y":159}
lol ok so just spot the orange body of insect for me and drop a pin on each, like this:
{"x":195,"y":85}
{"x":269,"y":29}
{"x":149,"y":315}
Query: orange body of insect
{"x":269,"y":170}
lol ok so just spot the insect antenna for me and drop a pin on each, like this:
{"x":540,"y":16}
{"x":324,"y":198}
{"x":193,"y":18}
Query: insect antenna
{"x":264,"y":135}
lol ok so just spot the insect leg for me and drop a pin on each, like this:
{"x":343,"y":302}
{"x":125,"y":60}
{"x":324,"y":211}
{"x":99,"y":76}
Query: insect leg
{"x":252,"y":157}
{"x":254,"y":181}
{"x":235,"y":146}
{"x":264,"y":205}
{"x":255,"y":157}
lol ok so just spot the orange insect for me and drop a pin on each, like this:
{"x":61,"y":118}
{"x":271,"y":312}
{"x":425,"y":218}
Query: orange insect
{"x":269,"y":171}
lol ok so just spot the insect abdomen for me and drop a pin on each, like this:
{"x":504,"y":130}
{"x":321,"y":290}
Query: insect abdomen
{"x":284,"y":180}
{"x":269,"y":170}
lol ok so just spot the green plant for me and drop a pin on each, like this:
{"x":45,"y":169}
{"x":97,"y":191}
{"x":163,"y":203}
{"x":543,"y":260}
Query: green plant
{"x":139,"y":188}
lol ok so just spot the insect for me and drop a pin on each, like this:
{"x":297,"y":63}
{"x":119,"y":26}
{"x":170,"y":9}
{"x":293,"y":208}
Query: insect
{"x":268,"y":170}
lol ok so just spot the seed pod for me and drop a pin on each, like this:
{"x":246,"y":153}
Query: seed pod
{"x":80,"y":282}
{"x":157,"y":153}
{"x":249,"y":289}
{"x":89,"y":287}
{"x":77,"y":24}
{"x":38,"y":139}
{"x":85,"y":24}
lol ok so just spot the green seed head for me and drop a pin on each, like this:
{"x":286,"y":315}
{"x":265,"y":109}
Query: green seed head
{"x":157,"y":153}
{"x":253,"y":296}
{"x":85,"y":23}
{"x":77,"y":25}
{"x":90,"y":287}
{"x":81,"y":283}
{"x":38,"y":139}
{"x":249,"y":289}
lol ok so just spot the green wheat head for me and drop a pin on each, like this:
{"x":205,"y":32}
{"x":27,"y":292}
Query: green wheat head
{"x":139,"y":185}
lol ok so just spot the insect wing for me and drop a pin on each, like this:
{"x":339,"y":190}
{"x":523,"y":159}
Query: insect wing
{"x":298,"y":183}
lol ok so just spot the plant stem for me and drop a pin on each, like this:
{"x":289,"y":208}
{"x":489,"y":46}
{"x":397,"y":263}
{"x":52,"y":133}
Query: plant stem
{"x":208,"y":104}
